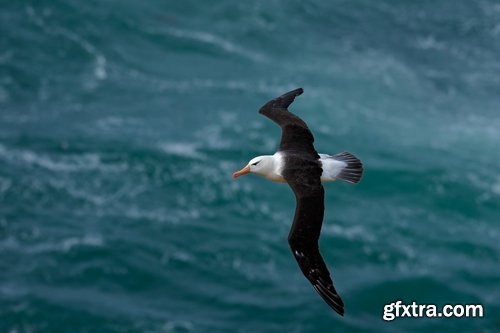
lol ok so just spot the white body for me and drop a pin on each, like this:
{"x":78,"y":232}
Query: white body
{"x":271,"y":167}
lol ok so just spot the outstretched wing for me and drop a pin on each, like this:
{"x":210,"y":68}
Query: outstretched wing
{"x":303,"y":174}
{"x":295,"y":135}
{"x":304,"y":235}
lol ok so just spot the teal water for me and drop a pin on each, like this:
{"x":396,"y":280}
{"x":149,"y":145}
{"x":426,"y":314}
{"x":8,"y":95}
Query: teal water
{"x":122,"y":121}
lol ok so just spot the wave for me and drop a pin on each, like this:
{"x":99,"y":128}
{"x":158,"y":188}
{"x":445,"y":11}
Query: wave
{"x":184,"y":149}
{"x":63,"y":245}
{"x":214,"y":40}
{"x":100,"y":61}
{"x":60,"y":162}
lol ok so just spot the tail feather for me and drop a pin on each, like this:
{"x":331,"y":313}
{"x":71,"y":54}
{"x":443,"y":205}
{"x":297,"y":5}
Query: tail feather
{"x":353,"y":172}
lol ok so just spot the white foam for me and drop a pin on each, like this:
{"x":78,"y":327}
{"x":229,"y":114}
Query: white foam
{"x":5,"y":184}
{"x":184,"y":149}
{"x":496,"y":187}
{"x":110,"y":122}
{"x":4,"y":95}
{"x":178,"y":326}
{"x":66,"y":163}
{"x":214,"y":40}
{"x":99,"y":59}
{"x":87,"y":240}
{"x":100,"y":72}
{"x":430,"y":43}
{"x":348,"y":232}
{"x":157,"y":215}
{"x":64,"y":245}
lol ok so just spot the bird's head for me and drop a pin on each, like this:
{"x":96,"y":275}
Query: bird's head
{"x":260,"y":165}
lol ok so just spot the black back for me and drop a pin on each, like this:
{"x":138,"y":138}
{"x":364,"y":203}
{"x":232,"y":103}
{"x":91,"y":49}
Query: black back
{"x":303,"y":171}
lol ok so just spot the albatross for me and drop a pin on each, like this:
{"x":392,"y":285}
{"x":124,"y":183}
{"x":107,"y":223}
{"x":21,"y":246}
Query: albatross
{"x":297,"y":163}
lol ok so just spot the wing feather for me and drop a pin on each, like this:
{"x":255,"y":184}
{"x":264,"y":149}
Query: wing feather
{"x":295,"y":135}
{"x":303,"y":173}
{"x":306,"y":228}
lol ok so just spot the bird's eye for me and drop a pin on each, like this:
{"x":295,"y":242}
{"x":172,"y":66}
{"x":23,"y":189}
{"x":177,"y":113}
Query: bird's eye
{"x":256,"y":163}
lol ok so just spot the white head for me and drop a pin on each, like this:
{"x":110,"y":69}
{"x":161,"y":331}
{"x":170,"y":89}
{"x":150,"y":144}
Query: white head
{"x":260,"y":165}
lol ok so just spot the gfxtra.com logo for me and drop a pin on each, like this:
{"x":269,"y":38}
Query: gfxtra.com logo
{"x":400,"y":310}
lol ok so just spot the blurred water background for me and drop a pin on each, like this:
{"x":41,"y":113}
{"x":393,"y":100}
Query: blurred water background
{"x":121,"y":122}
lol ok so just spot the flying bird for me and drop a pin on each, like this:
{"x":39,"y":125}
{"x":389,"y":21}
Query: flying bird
{"x":297,"y":163}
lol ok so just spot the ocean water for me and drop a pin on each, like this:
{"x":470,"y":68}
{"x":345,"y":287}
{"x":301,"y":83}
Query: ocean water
{"x":122,"y":121}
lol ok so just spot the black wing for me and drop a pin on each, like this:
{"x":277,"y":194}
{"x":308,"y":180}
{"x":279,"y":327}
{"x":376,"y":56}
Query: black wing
{"x":304,"y":235}
{"x":295,"y":135}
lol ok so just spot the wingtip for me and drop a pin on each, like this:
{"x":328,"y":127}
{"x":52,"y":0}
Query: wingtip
{"x":282,"y":101}
{"x":332,"y":299}
{"x":337,"y":308}
{"x":294,"y":93}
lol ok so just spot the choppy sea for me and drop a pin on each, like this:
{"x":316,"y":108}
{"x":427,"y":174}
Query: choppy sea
{"x":122,"y":121}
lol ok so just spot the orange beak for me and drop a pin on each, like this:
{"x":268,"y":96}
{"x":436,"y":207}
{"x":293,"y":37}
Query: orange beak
{"x":242,"y":172}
